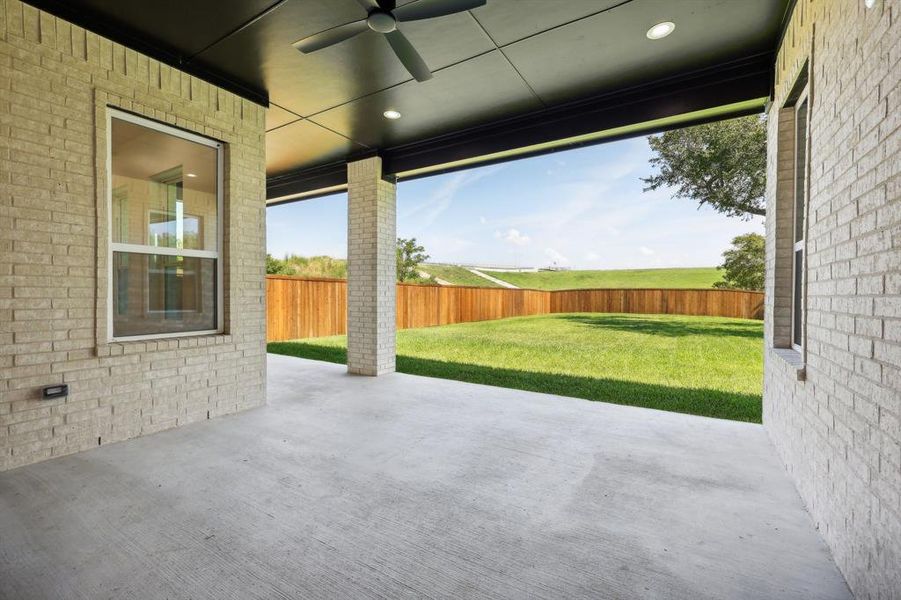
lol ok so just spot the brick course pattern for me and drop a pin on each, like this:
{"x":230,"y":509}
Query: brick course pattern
{"x":56,"y":81}
{"x":371,"y":269}
{"x":834,"y":411}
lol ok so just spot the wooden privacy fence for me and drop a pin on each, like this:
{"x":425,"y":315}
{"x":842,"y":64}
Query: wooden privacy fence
{"x":301,"y":308}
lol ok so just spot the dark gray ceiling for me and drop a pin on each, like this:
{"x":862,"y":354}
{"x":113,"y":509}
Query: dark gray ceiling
{"x":525,"y":63}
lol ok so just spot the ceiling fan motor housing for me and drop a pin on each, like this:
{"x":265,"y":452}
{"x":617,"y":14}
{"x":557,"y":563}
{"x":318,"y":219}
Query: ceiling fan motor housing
{"x":382,"y":22}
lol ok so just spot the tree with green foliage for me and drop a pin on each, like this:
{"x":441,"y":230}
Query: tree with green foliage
{"x":274,"y":266}
{"x":743,"y":265}
{"x":409,"y":256}
{"x":721,"y":164}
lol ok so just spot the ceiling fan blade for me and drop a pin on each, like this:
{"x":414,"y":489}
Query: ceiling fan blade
{"x":408,"y":56}
{"x":331,"y":36}
{"x":370,"y":5}
{"x":426,"y":9}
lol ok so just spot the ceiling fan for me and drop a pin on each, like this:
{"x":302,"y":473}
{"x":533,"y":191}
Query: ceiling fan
{"x":383,"y":17}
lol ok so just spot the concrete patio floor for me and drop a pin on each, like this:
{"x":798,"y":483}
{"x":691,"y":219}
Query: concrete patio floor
{"x":353,"y":487}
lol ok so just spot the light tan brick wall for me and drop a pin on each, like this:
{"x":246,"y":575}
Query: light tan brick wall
{"x":839,"y":429}
{"x":56,"y":80}
{"x":371,"y":269}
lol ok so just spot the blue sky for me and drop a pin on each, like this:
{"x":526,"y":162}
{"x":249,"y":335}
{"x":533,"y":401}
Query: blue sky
{"x":581,"y":208}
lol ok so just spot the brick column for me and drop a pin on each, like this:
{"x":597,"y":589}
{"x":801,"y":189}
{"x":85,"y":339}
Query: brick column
{"x":371,"y":270}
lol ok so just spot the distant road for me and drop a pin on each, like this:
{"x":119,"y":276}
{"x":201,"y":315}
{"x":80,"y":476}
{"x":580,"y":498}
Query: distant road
{"x":500,"y":282}
{"x":438,"y":280}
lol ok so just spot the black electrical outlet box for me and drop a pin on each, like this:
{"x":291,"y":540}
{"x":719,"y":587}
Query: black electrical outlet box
{"x":55,"y":391}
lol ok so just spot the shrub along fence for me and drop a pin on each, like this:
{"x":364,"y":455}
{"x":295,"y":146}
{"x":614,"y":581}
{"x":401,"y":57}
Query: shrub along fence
{"x":301,"y":308}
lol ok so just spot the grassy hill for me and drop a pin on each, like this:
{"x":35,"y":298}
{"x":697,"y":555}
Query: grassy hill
{"x":701,"y":277}
{"x":456,"y":275}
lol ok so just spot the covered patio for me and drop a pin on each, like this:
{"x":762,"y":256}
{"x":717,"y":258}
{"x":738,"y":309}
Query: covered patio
{"x":353,"y":487}
{"x":144,"y":450}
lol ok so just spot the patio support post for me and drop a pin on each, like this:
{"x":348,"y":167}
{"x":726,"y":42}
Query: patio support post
{"x":371,"y":268}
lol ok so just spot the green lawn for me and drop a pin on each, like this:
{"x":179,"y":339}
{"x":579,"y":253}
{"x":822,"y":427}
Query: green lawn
{"x":457,"y":275}
{"x":707,"y":366}
{"x":701,"y":277}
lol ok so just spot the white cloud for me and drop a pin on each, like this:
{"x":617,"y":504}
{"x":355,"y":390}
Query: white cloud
{"x":646,"y":251}
{"x":483,"y":220}
{"x":592,"y":256}
{"x":442,"y":198}
{"x":556,"y":257}
{"x":580,"y":196}
{"x":513,"y":236}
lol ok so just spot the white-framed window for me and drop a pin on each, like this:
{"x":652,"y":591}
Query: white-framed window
{"x":798,"y":221}
{"x":165,"y":245}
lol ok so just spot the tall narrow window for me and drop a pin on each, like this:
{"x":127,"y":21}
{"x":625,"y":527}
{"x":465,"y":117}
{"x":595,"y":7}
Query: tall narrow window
{"x":800,"y":209}
{"x":165,"y":230}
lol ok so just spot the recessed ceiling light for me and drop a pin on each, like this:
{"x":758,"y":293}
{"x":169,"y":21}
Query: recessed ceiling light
{"x":192,"y":175}
{"x":391,"y":114}
{"x":661,"y":30}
